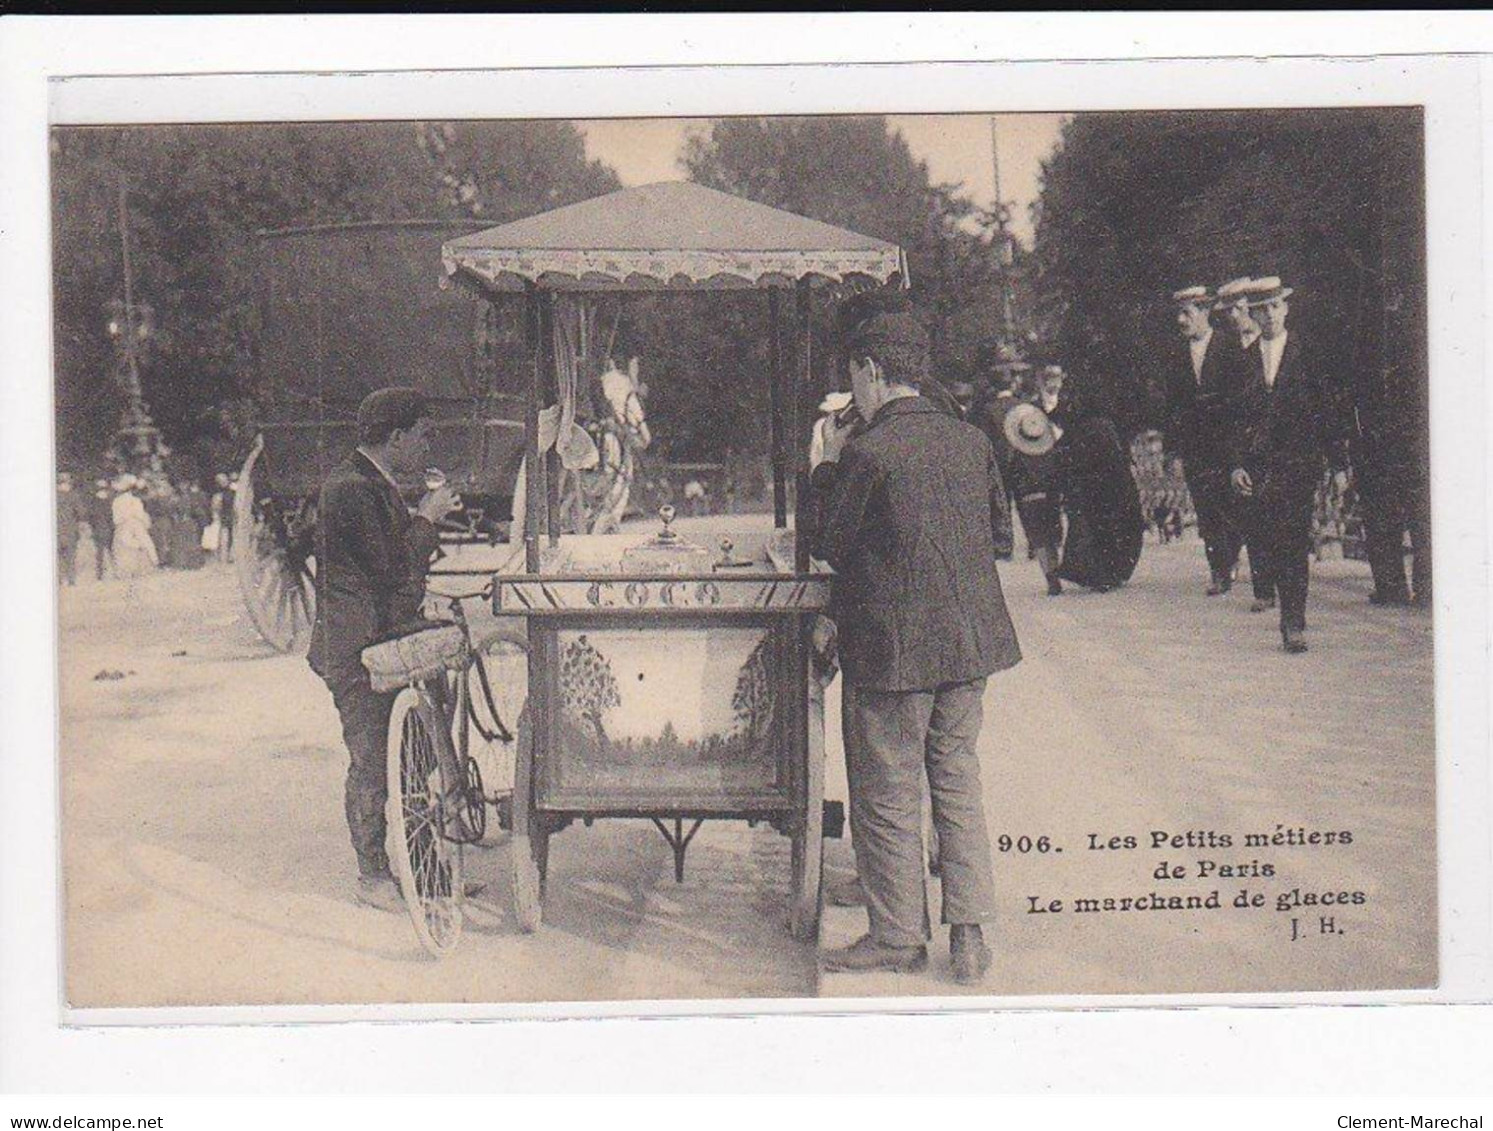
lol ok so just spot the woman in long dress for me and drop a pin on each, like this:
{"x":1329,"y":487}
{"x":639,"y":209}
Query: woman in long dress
{"x":1105,"y":523}
{"x":134,"y":549}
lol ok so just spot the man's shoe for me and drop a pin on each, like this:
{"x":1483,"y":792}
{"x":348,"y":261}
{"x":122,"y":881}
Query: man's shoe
{"x":1378,"y":598}
{"x":1291,"y":641}
{"x":1260,"y":604}
{"x":968,"y":953}
{"x":380,"y":892}
{"x":1054,"y":587}
{"x":866,"y":955}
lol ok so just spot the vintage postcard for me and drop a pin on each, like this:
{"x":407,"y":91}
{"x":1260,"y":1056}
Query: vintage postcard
{"x":570,"y":561}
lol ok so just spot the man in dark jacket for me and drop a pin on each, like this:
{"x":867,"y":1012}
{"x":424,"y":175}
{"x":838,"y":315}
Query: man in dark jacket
{"x":912,"y":515}
{"x":1198,"y":384}
{"x":371,"y":558}
{"x":1287,"y":422}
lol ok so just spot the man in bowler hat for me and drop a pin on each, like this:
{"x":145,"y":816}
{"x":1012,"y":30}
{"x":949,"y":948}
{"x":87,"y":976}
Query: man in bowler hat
{"x":912,"y":516}
{"x":372,"y":554}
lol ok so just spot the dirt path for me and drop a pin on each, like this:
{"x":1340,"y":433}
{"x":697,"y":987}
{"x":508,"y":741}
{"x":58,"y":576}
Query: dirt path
{"x":206,"y":857}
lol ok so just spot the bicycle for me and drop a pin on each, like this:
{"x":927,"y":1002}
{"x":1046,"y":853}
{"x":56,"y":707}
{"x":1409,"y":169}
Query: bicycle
{"x":438,"y":800}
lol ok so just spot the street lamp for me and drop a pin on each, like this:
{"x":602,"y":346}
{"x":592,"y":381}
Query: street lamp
{"x":130,"y":326}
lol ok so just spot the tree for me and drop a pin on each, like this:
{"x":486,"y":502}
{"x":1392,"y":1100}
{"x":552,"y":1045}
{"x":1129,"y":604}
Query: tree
{"x":854,"y":172}
{"x":196,"y":197}
{"x":1136,"y":204}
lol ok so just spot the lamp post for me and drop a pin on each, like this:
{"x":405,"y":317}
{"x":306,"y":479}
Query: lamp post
{"x":130,"y":326}
{"x":1005,"y":252}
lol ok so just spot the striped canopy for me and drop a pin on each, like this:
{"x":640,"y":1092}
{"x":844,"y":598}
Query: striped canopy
{"x":667,"y":236}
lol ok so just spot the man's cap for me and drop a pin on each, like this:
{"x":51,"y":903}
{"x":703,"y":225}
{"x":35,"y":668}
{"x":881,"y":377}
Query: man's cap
{"x":894,"y":328}
{"x":1266,"y":290}
{"x":398,"y":406}
{"x":1192,"y":296}
{"x":1232,"y":292}
{"x":859,"y":308}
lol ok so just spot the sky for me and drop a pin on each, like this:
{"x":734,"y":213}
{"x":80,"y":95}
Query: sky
{"x":955,"y":146}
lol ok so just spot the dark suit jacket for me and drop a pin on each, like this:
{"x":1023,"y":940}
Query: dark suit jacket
{"x":1291,"y":427}
{"x":912,"y":518}
{"x":371,"y":560}
{"x":1196,"y":408}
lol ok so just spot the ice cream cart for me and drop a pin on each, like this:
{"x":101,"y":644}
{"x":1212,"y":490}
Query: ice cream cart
{"x":670,"y":678}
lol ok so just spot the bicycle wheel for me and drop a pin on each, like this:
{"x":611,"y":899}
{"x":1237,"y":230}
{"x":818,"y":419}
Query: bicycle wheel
{"x":428,"y":866}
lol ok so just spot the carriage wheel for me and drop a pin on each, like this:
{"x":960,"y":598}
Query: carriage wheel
{"x":807,"y":898}
{"x":427,"y":864}
{"x":276,"y":586}
{"x":528,"y":846}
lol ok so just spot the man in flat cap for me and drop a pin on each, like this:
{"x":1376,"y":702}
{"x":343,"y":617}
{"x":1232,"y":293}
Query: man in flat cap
{"x":1286,"y":425}
{"x":372,"y":554}
{"x":912,"y":516}
{"x":1197,"y":387}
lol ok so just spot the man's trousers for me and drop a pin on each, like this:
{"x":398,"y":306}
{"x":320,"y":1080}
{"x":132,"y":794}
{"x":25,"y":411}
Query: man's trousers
{"x":365,"y":730}
{"x":1209,"y":488}
{"x":891,"y":738}
{"x":1287,"y":500}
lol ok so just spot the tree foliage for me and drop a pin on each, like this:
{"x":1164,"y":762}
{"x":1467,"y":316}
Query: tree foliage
{"x":1135,"y":205}
{"x":706,"y":357}
{"x":195,"y":196}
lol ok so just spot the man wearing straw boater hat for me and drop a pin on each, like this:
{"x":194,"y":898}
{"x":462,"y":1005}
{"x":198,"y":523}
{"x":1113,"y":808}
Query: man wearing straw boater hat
{"x":911,"y":513}
{"x":1286,"y":425}
{"x":1197,"y":386}
{"x":1233,"y":305}
{"x":372,"y":555}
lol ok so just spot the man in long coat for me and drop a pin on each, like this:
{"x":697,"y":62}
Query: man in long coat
{"x":372,"y":555}
{"x":1287,"y":423}
{"x":1198,"y":383}
{"x":912,"y":515}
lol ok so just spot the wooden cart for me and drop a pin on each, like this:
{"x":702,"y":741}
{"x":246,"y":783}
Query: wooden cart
{"x":666,"y":680}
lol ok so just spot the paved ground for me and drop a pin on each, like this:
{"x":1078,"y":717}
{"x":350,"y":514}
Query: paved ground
{"x":206,"y":858}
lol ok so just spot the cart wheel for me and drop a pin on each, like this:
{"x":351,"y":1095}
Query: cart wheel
{"x":808,"y":841}
{"x":474,"y":808}
{"x":275,"y":584}
{"x":528,"y":844}
{"x":497,"y":689}
{"x":427,"y":865}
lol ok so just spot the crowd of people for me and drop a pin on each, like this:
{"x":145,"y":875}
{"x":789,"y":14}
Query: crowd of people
{"x":140,"y":523}
{"x":1253,"y":450}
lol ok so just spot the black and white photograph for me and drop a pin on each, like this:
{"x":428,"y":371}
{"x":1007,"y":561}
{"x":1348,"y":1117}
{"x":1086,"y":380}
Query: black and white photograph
{"x":834,"y":556}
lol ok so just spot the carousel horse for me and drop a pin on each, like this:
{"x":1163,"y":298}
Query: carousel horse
{"x":622,"y":431}
{"x":597,"y":478}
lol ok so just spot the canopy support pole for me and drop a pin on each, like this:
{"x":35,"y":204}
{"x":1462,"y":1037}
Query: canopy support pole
{"x":533,"y":465}
{"x":802,"y":388}
{"x":552,"y":470}
{"x":776,"y":399}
